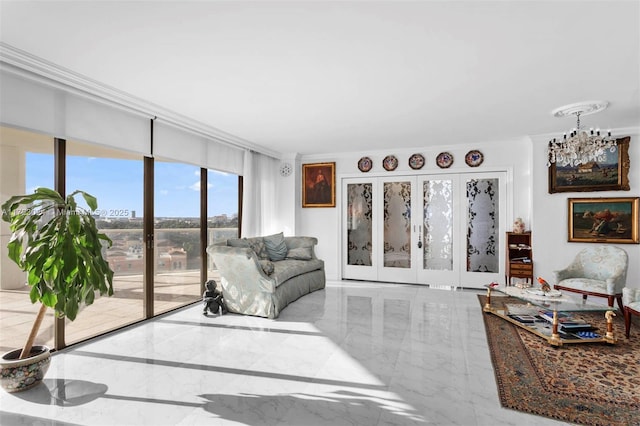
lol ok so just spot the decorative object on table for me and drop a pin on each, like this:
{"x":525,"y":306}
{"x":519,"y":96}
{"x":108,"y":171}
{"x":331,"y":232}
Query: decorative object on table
{"x":416,"y":161}
{"x":212,"y":299}
{"x":603,"y":220}
{"x":611,"y":174}
{"x":599,"y":271}
{"x":474,"y":158}
{"x":544,"y":285}
{"x":390,"y":163}
{"x":59,"y":246}
{"x":365,"y":164}
{"x":518,"y":225}
{"x":319,"y":185}
{"x":444,"y":160}
{"x":555,"y":383}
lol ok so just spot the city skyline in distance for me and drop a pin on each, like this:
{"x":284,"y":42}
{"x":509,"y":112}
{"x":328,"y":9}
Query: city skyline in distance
{"x":118,"y":185}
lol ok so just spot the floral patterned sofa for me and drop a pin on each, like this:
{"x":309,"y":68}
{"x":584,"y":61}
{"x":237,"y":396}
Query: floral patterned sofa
{"x":261,"y":275}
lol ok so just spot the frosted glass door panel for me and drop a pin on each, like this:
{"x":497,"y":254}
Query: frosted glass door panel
{"x":438,"y":224}
{"x":482,"y":225}
{"x":360,"y":233}
{"x":484,"y":228}
{"x":359,"y":224}
{"x":397,"y":224}
{"x":399,"y":241}
{"x":439,"y":257}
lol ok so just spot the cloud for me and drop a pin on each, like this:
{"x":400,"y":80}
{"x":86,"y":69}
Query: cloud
{"x":196,"y":186}
{"x":164,"y":192}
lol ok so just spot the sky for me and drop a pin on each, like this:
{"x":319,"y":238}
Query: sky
{"x":117,"y":184}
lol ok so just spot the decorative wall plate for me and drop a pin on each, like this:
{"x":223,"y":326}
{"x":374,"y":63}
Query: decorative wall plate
{"x":416,"y":161}
{"x":473,"y":158}
{"x":390,"y":162}
{"x":365,"y":164}
{"x":444,"y":160}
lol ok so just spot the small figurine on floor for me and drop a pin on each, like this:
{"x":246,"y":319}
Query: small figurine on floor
{"x":213,"y":301}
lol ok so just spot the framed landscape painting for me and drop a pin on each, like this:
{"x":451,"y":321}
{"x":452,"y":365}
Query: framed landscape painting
{"x":612,"y":174}
{"x":319,"y":185}
{"x":603,"y":220}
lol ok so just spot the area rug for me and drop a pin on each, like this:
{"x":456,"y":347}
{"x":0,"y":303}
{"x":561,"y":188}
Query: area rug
{"x":590,"y":384}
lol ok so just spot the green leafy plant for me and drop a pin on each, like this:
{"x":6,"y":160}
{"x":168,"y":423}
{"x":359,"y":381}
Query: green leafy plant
{"x":56,"y":242}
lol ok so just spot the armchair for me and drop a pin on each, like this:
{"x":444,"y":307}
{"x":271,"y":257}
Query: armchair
{"x":631,"y":300}
{"x":596,"y":271}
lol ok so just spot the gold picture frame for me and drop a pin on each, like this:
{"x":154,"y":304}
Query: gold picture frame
{"x":603,"y":220}
{"x":610,"y":175}
{"x":319,"y":185}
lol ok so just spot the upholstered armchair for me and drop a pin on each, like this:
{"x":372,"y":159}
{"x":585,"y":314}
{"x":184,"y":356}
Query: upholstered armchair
{"x":596,"y":271}
{"x":631,"y":300}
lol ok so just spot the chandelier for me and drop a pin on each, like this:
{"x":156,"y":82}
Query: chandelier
{"x":580,"y":146}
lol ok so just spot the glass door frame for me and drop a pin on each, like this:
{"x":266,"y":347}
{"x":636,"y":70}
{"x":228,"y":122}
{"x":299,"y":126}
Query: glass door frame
{"x":459,"y":276}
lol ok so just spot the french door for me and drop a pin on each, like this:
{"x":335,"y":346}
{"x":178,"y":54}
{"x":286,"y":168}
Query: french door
{"x":427,"y":229}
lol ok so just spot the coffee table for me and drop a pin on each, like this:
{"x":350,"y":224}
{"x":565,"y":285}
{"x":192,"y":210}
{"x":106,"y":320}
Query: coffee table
{"x":557,"y":305}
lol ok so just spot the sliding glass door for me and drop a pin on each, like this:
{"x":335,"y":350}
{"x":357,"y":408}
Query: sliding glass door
{"x":115,"y":179}
{"x":176,"y":235}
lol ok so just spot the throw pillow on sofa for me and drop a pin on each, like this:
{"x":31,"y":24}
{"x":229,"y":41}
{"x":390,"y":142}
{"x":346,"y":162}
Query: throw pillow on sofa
{"x":267,"y":266}
{"x":276,"y":247}
{"x":299,"y":253}
{"x":257,"y":244}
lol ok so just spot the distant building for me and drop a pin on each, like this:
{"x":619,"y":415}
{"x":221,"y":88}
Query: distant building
{"x":588,"y":167}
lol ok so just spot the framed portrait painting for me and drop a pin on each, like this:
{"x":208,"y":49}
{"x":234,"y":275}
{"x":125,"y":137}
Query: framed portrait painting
{"x":603,"y":220}
{"x":319,"y":185}
{"x":612,"y":174}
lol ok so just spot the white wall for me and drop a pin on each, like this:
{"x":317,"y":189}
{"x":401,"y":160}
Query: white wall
{"x":551,"y":251}
{"x":514,"y":156}
{"x":545,"y":214}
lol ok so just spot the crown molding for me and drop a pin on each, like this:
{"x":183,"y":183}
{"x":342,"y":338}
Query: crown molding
{"x":29,"y":66}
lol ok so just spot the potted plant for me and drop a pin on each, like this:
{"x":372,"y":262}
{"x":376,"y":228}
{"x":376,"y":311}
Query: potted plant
{"x":57,"y":244}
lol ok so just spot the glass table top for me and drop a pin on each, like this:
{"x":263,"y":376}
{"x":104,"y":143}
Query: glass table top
{"x":556,"y":301}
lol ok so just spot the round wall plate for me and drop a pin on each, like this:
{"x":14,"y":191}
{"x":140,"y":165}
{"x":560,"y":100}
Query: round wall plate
{"x":474,"y":158}
{"x":390,"y":163}
{"x":444,"y":160}
{"x":365,"y":164}
{"x":416,"y":161}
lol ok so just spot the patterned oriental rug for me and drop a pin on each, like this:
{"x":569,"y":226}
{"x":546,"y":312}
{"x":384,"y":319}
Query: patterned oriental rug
{"x":590,"y":384}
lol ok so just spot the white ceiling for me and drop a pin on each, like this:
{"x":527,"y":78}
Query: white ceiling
{"x":334,"y":76}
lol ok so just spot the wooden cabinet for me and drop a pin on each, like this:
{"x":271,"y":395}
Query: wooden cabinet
{"x":519,"y":257}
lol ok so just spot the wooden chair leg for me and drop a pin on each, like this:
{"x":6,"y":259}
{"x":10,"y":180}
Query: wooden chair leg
{"x":584,"y":297}
{"x":610,"y":300}
{"x":619,"y":299}
{"x":627,"y":322}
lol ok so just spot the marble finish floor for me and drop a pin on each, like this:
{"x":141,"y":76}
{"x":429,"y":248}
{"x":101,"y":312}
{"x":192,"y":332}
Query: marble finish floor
{"x":356,"y":353}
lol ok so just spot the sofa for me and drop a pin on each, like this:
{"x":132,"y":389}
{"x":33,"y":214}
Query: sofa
{"x":260,"y":276}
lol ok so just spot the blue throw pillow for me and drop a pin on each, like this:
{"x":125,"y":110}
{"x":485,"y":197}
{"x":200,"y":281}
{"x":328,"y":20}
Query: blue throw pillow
{"x":276,"y":247}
